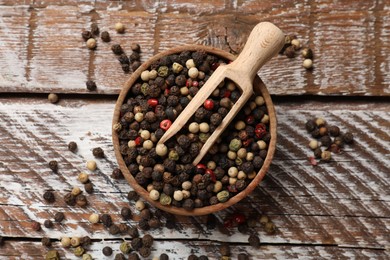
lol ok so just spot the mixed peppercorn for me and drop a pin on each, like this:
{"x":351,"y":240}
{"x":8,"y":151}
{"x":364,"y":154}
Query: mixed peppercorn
{"x":165,"y":170}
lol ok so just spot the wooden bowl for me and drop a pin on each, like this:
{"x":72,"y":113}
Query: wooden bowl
{"x":258,"y":87}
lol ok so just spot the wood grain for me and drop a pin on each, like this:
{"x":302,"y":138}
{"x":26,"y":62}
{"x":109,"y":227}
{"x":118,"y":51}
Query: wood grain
{"x":342,"y":206}
{"x":349,"y":39}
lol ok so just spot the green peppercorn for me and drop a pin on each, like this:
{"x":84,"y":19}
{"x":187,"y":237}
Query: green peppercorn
{"x":173,"y":155}
{"x":223,"y":196}
{"x":87,"y":257}
{"x":52,"y":255}
{"x":235,"y":144}
{"x":163,"y":71}
{"x":270,"y":227}
{"x":165,"y":199}
{"x":78,"y":251}
{"x":125,"y":247}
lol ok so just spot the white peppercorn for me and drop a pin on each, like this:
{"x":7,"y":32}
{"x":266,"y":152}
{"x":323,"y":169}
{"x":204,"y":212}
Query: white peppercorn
{"x":83,"y":177}
{"x":178,"y":195}
{"x":249,"y":156}
{"x":186,"y":194}
{"x":313,"y":144}
{"x":232,"y":180}
{"x":91,"y":165}
{"x":190,"y":63}
{"x":145,"y":134}
{"x":307,"y":63}
{"x":265,"y":119}
{"x":241,"y":175}
{"x":259,"y":101}
{"x":91,"y":43}
{"x":240,"y":125}
{"x":211,"y":165}
{"x":193,"y":72}
{"x":139,"y":117}
{"x":154,"y":194}
{"x":65,"y":242}
{"x":232,"y":171}
{"x":119,"y":27}
{"x":186,"y":185}
{"x":94,"y":218}
{"x":145,"y":75}
{"x":241,"y":153}
{"x":76,"y":191}
{"x":262,"y":145}
{"x":193,"y":128}
{"x":231,"y":155}
{"x":204,"y":127}
{"x":147,"y":145}
{"x":53,"y":98}
{"x":161,"y":150}
{"x":139,"y":205}
{"x":153,"y":74}
{"x":131,"y":144}
{"x":217,"y":186}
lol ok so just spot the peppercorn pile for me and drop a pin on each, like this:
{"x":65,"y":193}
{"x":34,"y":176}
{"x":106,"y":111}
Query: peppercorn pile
{"x":323,"y":133}
{"x":165,"y":170}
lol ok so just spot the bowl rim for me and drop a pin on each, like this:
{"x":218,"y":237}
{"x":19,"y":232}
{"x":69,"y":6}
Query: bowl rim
{"x":258,"y":85}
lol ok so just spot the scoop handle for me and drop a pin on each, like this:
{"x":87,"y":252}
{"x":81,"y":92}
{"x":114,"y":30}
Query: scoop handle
{"x":264,"y":42}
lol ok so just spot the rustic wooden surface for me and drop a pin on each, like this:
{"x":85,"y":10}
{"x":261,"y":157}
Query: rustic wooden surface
{"x":338,"y":210}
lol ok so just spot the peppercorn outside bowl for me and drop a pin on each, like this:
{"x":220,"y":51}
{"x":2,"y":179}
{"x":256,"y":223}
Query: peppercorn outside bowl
{"x":258,"y":87}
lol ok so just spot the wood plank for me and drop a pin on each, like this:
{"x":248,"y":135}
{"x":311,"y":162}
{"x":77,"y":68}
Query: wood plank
{"x":350,"y":42}
{"x":182,"y":249}
{"x":344,"y":203}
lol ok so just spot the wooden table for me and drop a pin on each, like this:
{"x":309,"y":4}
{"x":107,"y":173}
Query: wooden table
{"x":333,"y":210}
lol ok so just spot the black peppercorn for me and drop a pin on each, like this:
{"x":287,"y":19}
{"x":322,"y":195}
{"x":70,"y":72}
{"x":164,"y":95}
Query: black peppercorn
{"x":254,"y":240}
{"x":46,"y":241}
{"x":203,"y":257}
{"x":334,"y":130}
{"x":91,"y":85}
{"x":348,"y":138}
{"x":133,"y":232}
{"x":132,"y":195}
{"x":106,"y":220}
{"x":117,"y":174}
{"x":117,"y":49}
{"x":70,"y":199}
{"x":81,"y":200}
{"x":59,"y":217}
{"x":98,"y":152}
{"x":123,"y":59}
{"x":86,"y":35}
{"x":53,"y":165}
{"x":326,"y":140}
{"x":48,"y":223}
{"x":105,"y":36}
{"x":133,"y":256}
{"x":85,"y":241}
{"x":146,"y":214}
{"x":188,"y":204}
{"x":135,"y":47}
{"x":49,"y":196}
{"x":290,"y":52}
{"x":120,"y":256}
{"x":311,"y":125}
{"x":143,"y":224}
{"x":134,"y":56}
{"x":88,"y":187}
{"x":154,"y":223}
{"x":145,"y":251}
{"x":113,"y":229}
{"x":164,"y":256}
{"x":95,"y":29}
{"x":123,"y":228}
{"x":135,"y":65}
{"x":107,"y":251}
{"x":147,"y":240}
{"x":224,"y":249}
{"x":72,"y":146}
{"x":192,"y":257}
{"x":136,"y":243}
{"x":126,"y":213}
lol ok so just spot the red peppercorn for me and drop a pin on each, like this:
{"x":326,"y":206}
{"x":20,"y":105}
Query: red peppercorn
{"x":260,"y":130}
{"x":239,"y":218}
{"x":189,"y":83}
{"x":247,"y":142}
{"x":209,"y":104}
{"x":249,"y":120}
{"x":212,"y":175}
{"x":228,"y":223}
{"x":166,"y":92}
{"x":153,"y":102}
{"x":214,"y":66}
{"x":165,"y":124}
{"x":195,"y":83}
{"x":138,"y":141}
{"x":227,"y":94}
{"x":201,"y":168}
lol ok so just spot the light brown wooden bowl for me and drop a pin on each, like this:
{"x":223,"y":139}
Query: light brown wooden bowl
{"x":258,"y":87}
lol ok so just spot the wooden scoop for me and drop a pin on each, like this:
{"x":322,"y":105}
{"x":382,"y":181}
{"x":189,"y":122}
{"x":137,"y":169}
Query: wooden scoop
{"x":265,"y":41}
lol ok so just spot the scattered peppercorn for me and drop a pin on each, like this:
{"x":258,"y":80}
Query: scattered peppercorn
{"x":242,"y":256}
{"x":70,"y":199}
{"x":126,"y":213}
{"x":91,"y":85}
{"x":53,"y":165}
{"x":136,"y":243}
{"x":113,"y":229}
{"x":85,"y":241}
{"x":120,"y":256}
{"x":98,"y":152}
{"x":49,"y":197}
{"x":95,"y":29}
{"x":78,"y":251}
{"x":270,"y":228}
{"x":132,"y":196}
{"x":117,"y":49}
{"x":105,"y":36}
{"x":133,"y":256}
{"x":59,"y":217}
{"x":117,"y":174}
{"x":107,"y":251}
{"x":224,"y":250}
{"x":52,"y":255}
{"x":145,"y":251}
{"x":254,"y":240}
{"x":135,"y":47}
{"x":86,"y":35}
{"x":48,"y":223}
{"x":72,"y":146}
{"x":36,"y":226}
{"x":106,"y":220}
{"x":164,"y":256}
{"x":88,"y":187}
{"x":147,"y":240}
{"x":53,"y":98}
{"x":91,"y":44}
{"x":46,"y":241}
